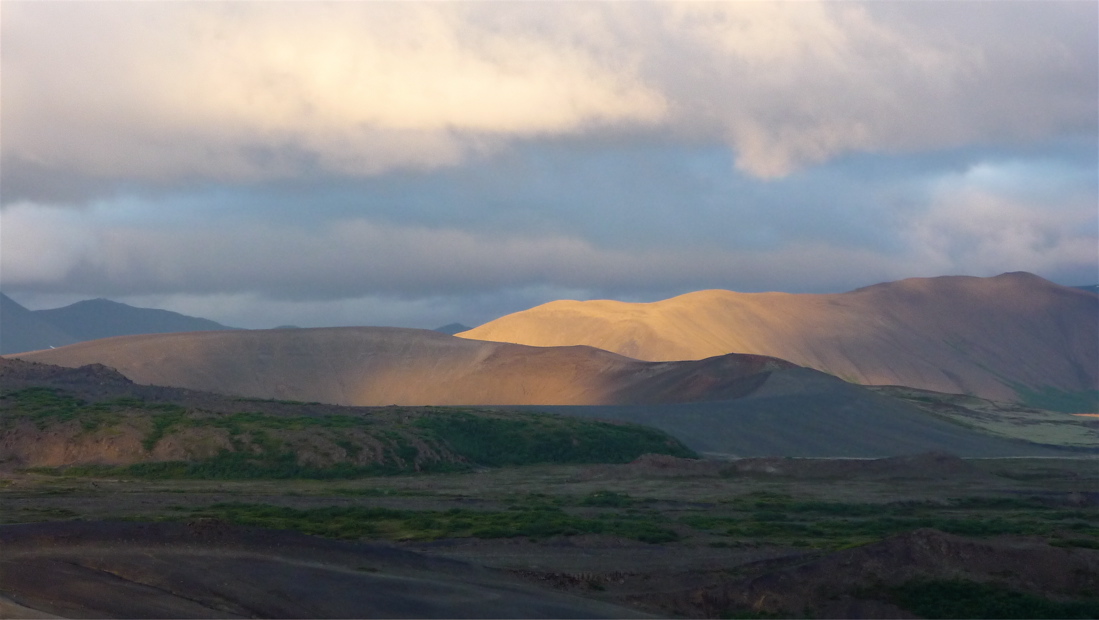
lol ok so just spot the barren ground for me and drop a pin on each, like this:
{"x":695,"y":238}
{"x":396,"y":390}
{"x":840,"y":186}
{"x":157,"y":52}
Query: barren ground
{"x":792,"y":537}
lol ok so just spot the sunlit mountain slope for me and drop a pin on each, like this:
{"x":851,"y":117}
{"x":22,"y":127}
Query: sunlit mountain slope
{"x":383,"y":366}
{"x":1013,"y":336}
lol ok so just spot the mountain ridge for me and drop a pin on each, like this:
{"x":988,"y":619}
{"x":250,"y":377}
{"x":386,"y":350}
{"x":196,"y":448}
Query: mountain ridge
{"x":93,"y":319}
{"x":997,"y":337}
{"x":390,"y":365}
{"x":22,"y":330}
{"x":25,"y":330}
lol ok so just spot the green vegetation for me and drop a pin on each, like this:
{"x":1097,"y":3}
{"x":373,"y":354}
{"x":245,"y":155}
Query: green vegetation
{"x":608,"y":499}
{"x":356,"y":522}
{"x":969,"y":599}
{"x":1053,"y":399}
{"x":237,"y":423}
{"x":162,"y":423}
{"x":832,"y":525}
{"x":544,"y":438}
{"x":229,"y":465}
{"x":386,"y":441}
{"x":757,"y":518}
{"x":1042,"y":417}
{"x":47,"y":406}
{"x":29,"y":515}
{"x":279,"y":401}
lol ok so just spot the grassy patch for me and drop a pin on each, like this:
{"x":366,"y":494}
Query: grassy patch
{"x":237,"y":423}
{"x":34,"y":515}
{"x":48,"y":406}
{"x":241,"y":465}
{"x":162,"y":423}
{"x":1053,"y":399}
{"x":608,"y":499}
{"x":832,"y":525}
{"x":406,"y":441}
{"x":545,"y":438}
{"x":355,"y":522}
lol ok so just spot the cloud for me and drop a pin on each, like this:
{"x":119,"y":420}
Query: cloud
{"x":967,"y":231}
{"x":982,"y":220}
{"x":42,"y":245}
{"x":419,"y":163}
{"x":252,"y":91}
{"x":338,"y":259}
{"x":244,"y":92}
{"x":794,"y":84}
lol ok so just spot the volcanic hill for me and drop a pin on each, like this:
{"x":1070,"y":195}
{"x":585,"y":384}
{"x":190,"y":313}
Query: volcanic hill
{"x":741,"y":405}
{"x":1011,"y":337}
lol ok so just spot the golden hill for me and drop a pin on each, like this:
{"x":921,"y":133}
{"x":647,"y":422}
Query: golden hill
{"x":984,"y":336}
{"x":383,"y":366}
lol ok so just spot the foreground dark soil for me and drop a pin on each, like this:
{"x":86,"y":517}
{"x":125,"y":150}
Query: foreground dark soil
{"x":211,"y":570}
{"x":661,"y":536}
{"x":121,"y":500}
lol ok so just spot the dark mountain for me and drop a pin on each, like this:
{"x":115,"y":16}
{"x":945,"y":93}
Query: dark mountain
{"x":22,"y":330}
{"x":452,"y":328}
{"x":103,"y":318}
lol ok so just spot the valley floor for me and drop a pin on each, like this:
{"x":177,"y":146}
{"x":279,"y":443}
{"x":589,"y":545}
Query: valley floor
{"x":661,"y":536}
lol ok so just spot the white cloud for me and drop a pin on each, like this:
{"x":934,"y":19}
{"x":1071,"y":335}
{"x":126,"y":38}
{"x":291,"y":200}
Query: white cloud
{"x":794,"y":84}
{"x":247,"y":91}
{"x":251,"y":90}
{"x":981,"y":223}
{"x":42,"y":244}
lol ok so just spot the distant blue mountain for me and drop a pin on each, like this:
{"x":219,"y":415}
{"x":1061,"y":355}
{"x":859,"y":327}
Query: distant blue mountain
{"x":1091,"y":288}
{"x":21,"y":330}
{"x":103,"y":318}
{"x":30,"y":330}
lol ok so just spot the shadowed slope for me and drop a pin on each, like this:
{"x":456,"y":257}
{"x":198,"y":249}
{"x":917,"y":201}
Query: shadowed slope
{"x":382,"y":366}
{"x":805,"y":413}
{"x":985,"y":336}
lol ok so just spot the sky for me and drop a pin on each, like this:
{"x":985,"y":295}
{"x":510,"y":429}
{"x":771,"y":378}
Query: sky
{"x":416,"y":164}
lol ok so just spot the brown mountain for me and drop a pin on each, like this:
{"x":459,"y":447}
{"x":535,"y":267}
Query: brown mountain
{"x":732,"y":405}
{"x":1008,"y":337}
{"x":382,"y":366}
